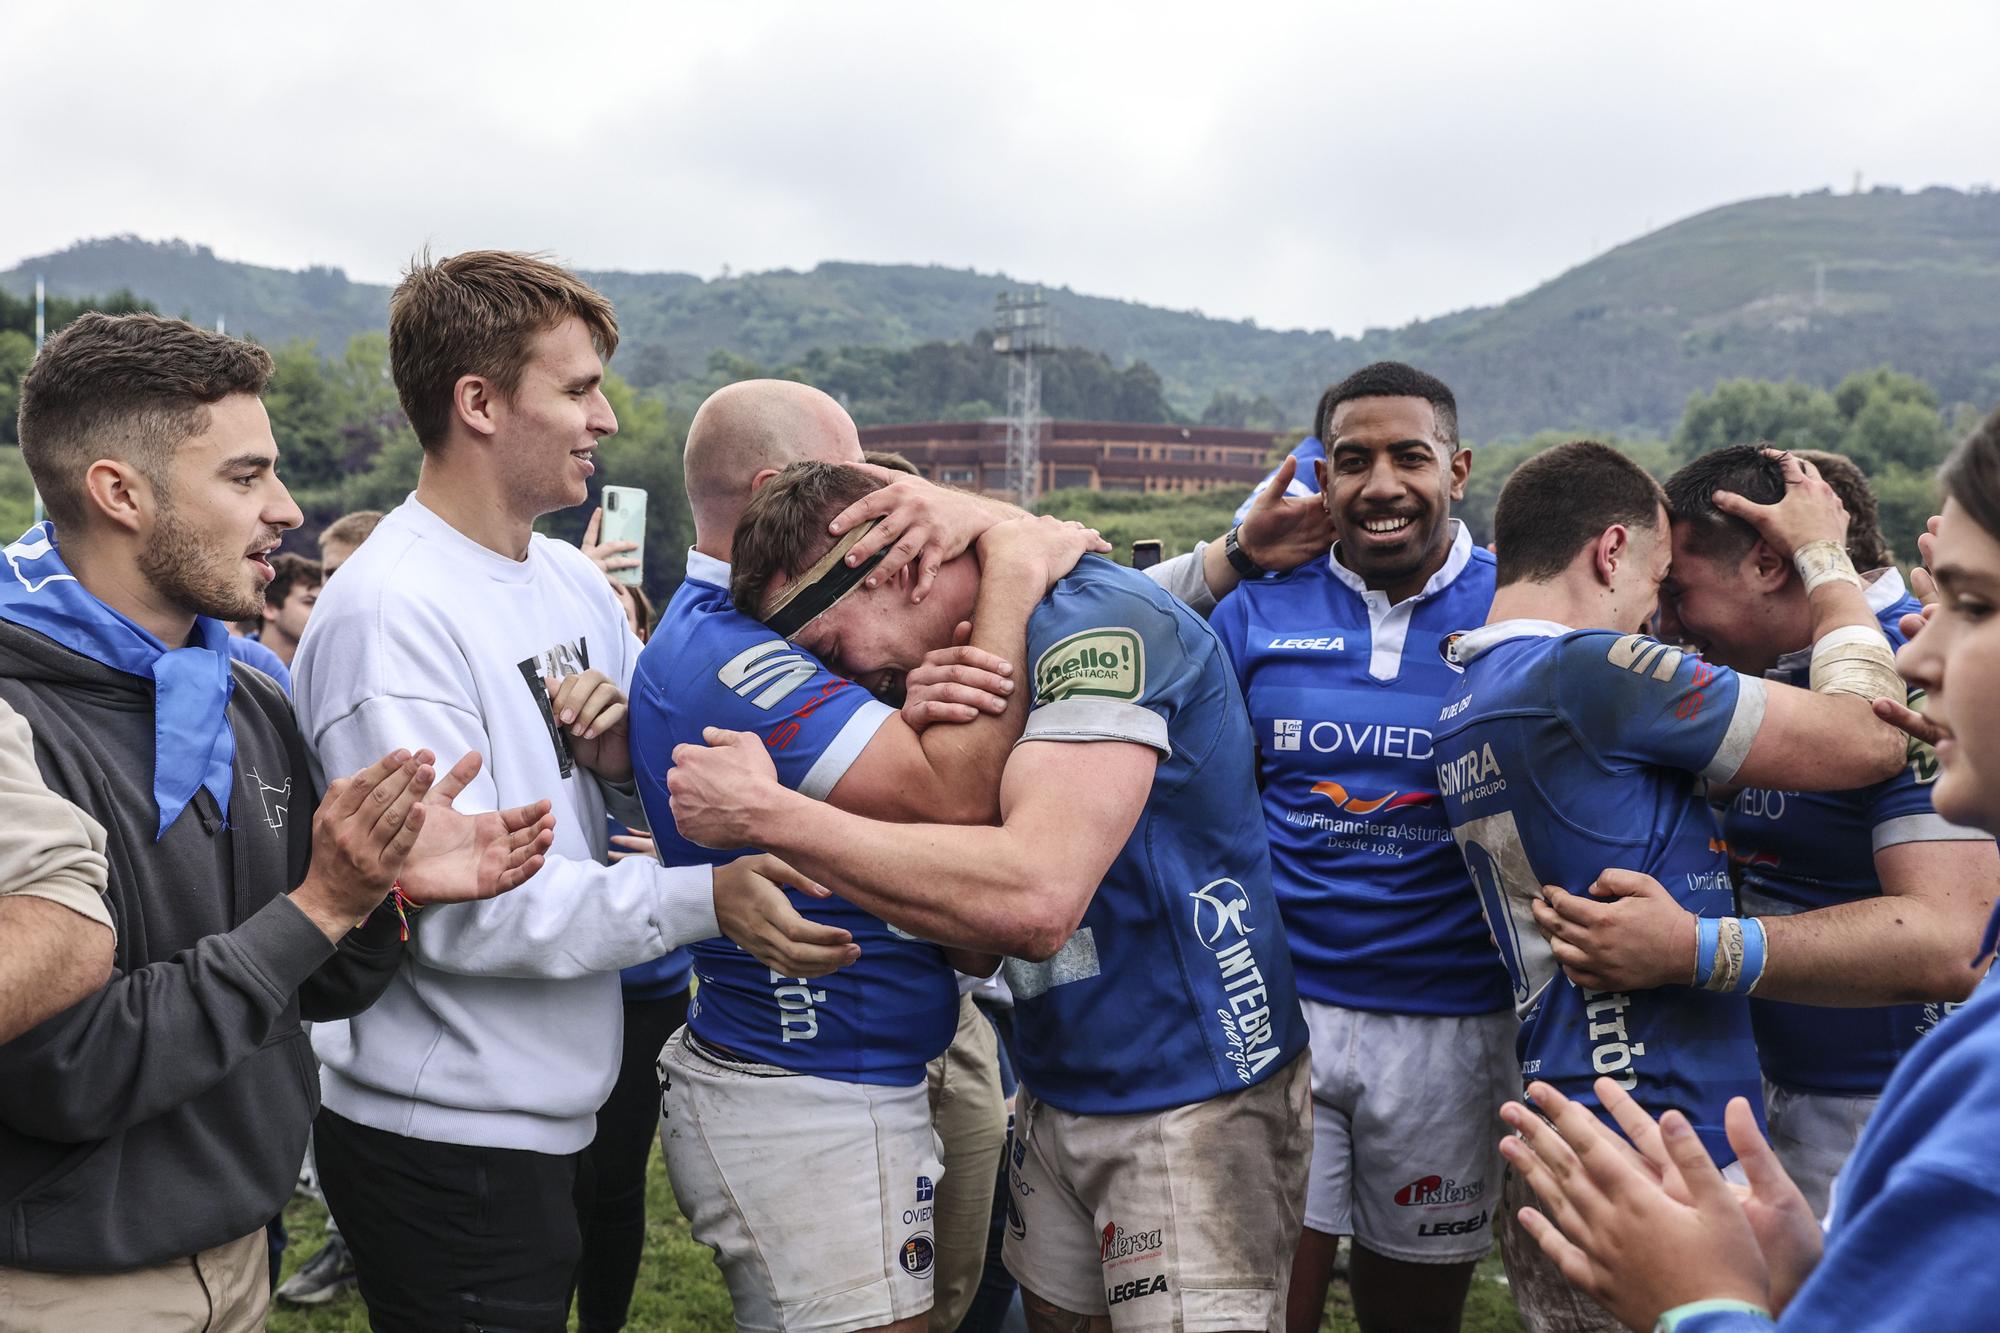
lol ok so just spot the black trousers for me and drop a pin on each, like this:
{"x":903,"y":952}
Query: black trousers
{"x":611,"y":1194}
{"x":452,"y":1239}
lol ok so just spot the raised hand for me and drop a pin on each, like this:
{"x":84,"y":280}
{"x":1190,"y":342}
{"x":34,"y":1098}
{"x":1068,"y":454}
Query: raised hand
{"x":362,"y":833}
{"x":1611,"y":1225}
{"x":1809,"y":511}
{"x":607,"y":556}
{"x":1280,"y":531}
{"x":461,"y":857}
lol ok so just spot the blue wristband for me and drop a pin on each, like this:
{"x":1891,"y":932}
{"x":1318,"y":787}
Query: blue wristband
{"x":1687,"y":1318}
{"x":1707,"y":934}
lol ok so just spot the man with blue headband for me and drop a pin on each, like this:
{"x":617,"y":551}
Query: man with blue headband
{"x":149,"y":1131}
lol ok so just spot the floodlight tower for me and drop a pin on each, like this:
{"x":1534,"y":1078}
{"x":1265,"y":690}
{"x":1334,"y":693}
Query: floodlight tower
{"x":1021,"y":332}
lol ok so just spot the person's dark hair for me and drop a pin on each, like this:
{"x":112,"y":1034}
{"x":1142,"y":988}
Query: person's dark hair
{"x":1742,"y":468}
{"x":645,"y":607}
{"x":783,"y":529}
{"x":478,"y":313}
{"x":895,"y":462}
{"x":1971,"y":475}
{"x":1866,"y":546}
{"x":1392,"y":379}
{"x":132,"y":387}
{"x":1563,"y":499}
{"x":289,"y":571}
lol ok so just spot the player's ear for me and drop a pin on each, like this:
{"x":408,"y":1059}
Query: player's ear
{"x":1459,"y":467}
{"x":1609,"y":551}
{"x":1768,"y":570}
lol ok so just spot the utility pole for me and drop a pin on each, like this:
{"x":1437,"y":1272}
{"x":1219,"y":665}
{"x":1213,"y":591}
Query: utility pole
{"x":1020,"y":333}
{"x":41,"y":329}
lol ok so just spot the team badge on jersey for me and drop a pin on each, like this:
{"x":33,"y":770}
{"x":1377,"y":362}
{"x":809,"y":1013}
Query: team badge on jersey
{"x":1096,"y":664}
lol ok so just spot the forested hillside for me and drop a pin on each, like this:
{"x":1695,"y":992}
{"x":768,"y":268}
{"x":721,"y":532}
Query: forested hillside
{"x":1812,"y":287}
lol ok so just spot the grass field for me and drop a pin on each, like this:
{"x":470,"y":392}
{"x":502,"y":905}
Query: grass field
{"x":680,"y":1292}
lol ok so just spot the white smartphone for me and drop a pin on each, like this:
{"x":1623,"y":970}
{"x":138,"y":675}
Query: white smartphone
{"x":625,"y":521}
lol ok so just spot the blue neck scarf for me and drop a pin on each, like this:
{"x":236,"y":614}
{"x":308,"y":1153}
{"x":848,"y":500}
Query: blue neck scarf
{"x":193,"y":745}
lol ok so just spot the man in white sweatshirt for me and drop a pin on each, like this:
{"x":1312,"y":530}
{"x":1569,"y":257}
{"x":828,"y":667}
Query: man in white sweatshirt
{"x":455,"y":1110}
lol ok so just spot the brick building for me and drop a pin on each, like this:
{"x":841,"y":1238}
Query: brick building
{"x":1085,"y":455}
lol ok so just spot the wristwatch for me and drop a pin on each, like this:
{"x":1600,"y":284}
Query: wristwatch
{"x":1239,"y":559}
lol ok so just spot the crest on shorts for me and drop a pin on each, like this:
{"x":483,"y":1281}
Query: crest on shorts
{"x":919,"y":1255}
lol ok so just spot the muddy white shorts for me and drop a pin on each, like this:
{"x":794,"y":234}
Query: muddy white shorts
{"x":1181,"y":1220}
{"x":1407,"y":1129}
{"x":816,"y":1195}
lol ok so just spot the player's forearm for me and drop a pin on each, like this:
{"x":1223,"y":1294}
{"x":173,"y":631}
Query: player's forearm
{"x":987,"y":889}
{"x":966,"y":760}
{"x":1874,"y":951}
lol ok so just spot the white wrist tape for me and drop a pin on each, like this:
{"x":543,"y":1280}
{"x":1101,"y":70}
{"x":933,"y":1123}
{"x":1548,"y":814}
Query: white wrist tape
{"x":1824,"y":562}
{"x":1857,"y":660}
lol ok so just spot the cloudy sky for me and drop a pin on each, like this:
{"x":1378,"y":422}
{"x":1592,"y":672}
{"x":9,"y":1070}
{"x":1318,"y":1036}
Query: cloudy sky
{"x":1329,"y":165}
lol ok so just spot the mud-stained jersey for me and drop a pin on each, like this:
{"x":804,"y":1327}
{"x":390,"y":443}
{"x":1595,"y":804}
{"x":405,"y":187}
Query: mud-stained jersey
{"x":1564,"y":753}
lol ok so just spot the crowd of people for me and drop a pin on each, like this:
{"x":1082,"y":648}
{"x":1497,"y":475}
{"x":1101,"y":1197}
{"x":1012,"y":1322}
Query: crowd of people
{"x":959,"y":909}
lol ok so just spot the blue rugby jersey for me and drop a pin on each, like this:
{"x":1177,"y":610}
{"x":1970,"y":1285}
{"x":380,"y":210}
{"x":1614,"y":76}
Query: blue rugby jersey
{"x":1563,"y":753}
{"x":1796,"y":851}
{"x":1177,"y":986}
{"x":1304,"y":482}
{"x":1344,"y":690}
{"x":880,"y":1020}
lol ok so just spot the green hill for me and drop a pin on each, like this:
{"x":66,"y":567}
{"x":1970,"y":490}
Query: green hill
{"x":1809,"y":287}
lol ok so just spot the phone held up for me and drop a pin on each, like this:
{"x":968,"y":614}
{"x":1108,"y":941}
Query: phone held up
{"x":1146,"y":554}
{"x":625,"y":521}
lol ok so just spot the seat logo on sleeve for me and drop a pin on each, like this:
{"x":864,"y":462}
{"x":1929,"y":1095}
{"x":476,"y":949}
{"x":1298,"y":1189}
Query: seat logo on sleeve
{"x":767,"y":672}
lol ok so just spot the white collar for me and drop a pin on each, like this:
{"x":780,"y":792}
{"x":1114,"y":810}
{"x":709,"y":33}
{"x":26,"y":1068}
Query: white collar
{"x":707,"y":569}
{"x":1882,"y":588}
{"x":1454,"y":564}
{"x":1474,"y":642}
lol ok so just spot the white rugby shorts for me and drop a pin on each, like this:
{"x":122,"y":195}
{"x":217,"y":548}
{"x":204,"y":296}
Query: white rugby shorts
{"x":816,"y":1195}
{"x":1182,"y":1220}
{"x":1407,"y":1129}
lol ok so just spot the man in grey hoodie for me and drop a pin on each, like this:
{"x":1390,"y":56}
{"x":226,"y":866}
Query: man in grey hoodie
{"x":149,"y":1131}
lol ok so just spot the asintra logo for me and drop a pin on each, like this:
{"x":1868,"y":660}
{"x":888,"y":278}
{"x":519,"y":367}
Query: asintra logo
{"x":1356,"y":804}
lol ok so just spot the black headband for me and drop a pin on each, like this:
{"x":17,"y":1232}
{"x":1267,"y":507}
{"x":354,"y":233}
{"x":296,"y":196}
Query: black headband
{"x":815,"y":591}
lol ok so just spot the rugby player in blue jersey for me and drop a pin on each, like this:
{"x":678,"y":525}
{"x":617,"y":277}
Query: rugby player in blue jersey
{"x":1162,"y":1131}
{"x":1665,"y":1242}
{"x":1342,"y":666}
{"x":1868,"y":898}
{"x":776,"y":1078}
{"x":1576,"y":745}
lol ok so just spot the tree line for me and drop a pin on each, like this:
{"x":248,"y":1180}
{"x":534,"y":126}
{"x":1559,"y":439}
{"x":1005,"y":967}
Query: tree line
{"x":345,"y":445}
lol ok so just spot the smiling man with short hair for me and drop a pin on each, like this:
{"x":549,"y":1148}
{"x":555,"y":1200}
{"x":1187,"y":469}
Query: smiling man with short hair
{"x":1342,"y":667}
